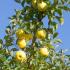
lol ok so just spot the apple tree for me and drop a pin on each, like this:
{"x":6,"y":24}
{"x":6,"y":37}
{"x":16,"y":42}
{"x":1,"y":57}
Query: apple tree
{"x":29,"y":42}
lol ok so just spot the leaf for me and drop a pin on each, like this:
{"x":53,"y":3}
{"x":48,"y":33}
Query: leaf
{"x":18,"y":13}
{"x":68,"y":56}
{"x":8,"y":29}
{"x":0,"y":45}
{"x":2,"y":58}
{"x":18,"y":1}
{"x":14,"y":49}
{"x":55,"y":26}
{"x":63,"y":1}
{"x":6,"y":37}
{"x":56,"y":2}
{"x":8,"y":40}
{"x":50,"y":46}
{"x":1,"y":41}
{"x":60,"y":19}
{"x":55,"y":35}
{"x":28,"y":1}
{"x":50,"y":30}
{"x":2,"y":51}
{"x":59,"y":11}
{"x":66,"y":8}
{"x":23,"y":2}
{"x":57,"y":41}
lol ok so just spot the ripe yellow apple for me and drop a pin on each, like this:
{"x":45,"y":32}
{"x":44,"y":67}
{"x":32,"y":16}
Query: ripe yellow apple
{"x":61,"y":20}
{"x":42,"y":6}
{"x":21,"y":56}
{"x":20,"y":33}
{"x":34,"y":3}
{"x":21,"y":43}
{"x":44,"y":51}
{"x":41,"y":34}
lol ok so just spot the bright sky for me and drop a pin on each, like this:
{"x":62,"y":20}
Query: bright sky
{"x":7,"y":9}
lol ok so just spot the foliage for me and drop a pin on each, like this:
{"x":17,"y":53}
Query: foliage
{"x":30,"y":20}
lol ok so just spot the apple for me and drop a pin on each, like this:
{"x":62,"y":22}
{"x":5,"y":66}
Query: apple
{"x":21,"y":43}
{"x":42,"y":6}
{"x":44,"y":51}
{"x":34,"y":3}
{"x":41,"y":34}
{"x":20,"y":33}
{"x":21,"y":56}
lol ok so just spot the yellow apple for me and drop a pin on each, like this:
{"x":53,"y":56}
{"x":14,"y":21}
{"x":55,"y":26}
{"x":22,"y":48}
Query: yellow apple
{"x":44,"y":51}
{"x":20,"y":33}
{"x":42,"y":6}
{"x":21,"y":43}
{"x":41,"y":34}
{"x":21,"y":56}
{"x":34,"y":3}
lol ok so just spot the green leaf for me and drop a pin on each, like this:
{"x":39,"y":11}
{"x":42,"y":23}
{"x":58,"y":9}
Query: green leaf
{"x":59,"y":11}
{"x":6,"y":37}
{"x":28,"y":1}
{"x":18,"y":13}
{"x":66,"y":8}
{"x":1,"y":41}
{"x":60,"y":19}
{"x":50,"y":46}
{"x":55,"y":35}
{"x":2,"y":51}
{"x":57,"y":41}
{"x":68,"y":56}
{"x":56,"y":2}
{"x":2,"y":58}
{"x":14,"y":49}
{"x":8,"y":30}
{"x":0,"y":45}
{"x":8,"y":40}
{"x":55,"y":26}
{"x":18,"y":1}
{"x":50,"y":30}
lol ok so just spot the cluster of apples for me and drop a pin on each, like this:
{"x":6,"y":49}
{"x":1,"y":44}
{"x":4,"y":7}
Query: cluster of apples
{"x":41,"y":34}
{"x":40,"y":5}
{"x":21,"y":42}
{"x":22,"y":38}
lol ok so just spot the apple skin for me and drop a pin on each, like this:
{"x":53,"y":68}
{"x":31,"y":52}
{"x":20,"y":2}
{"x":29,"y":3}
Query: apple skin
{"x":44,"y":51}
{"x":20,"y":56}
{"x":21,"y":43}
{"x":41,"y":34}
{"x":42,"y":6}
{"x":34,"y":3}
{"x":20,"y":33}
